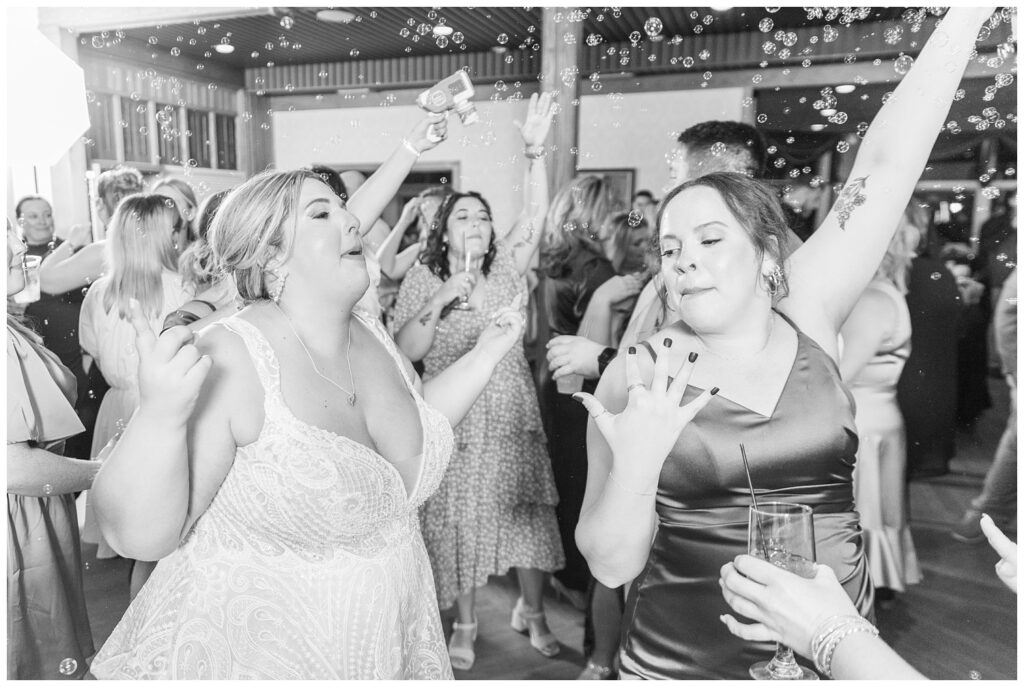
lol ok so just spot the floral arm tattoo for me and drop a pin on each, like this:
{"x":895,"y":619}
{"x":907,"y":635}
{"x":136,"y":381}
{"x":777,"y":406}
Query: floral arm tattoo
{"x":850,"y":197}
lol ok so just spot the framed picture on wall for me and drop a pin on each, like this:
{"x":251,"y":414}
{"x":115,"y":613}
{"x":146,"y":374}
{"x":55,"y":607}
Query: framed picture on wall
{"x":620,"y":181}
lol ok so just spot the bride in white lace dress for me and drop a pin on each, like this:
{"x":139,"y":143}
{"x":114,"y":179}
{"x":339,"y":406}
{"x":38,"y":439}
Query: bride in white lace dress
{"x":276,"y":463}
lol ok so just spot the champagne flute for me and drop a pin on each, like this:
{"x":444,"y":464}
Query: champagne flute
{"x":782,"y":534}
{"x":462,"y":303}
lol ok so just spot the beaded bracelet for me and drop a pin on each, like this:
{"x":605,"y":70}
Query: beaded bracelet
{"x":831,"y":633}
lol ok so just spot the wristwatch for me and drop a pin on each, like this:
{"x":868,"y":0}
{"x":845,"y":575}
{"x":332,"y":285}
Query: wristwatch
{"x":607,"y":355}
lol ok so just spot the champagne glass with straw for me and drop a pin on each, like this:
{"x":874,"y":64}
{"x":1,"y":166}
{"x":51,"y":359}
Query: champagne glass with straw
{"x":782,"y":534}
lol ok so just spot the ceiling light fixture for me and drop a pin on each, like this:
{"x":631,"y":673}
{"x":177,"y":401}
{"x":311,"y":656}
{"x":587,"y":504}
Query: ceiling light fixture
{"x":817,"y":127}
{"x":500,"y":49}
{"x":721,"y":8}
{"x":335,"y":16}
{"x":827,"y":112}
{"x":442,"y":30}
{"x":846,"y":88}
{"x":224,"y":48}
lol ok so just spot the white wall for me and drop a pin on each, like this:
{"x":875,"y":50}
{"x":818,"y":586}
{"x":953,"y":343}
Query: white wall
{"x":635,"y":130}
{"x":632,"y":130}
{"x":481,"y":154}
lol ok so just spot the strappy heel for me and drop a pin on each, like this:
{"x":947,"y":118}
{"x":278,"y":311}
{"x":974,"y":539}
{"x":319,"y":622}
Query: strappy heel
{"x":462,"y":657}
{"x":595,"y":672}
{"x":525,"y":621}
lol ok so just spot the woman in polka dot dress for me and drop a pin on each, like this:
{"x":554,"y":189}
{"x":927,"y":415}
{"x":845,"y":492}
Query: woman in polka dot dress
{"x":495,"y":508}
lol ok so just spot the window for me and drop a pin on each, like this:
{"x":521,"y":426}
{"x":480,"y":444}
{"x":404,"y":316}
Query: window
{"x":169,"y":141}
{"x":135,"y":124}
{"x":198,"y":134}
{"x":226,"y":155}
{"x":100,"y":144}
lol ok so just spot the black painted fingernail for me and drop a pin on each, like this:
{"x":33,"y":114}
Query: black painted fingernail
{"x":714,"y":390}
{"x":631,"y":350}
{"x":692,"y":357}
{"x":667,"y":343}
{"x":577,"y":397}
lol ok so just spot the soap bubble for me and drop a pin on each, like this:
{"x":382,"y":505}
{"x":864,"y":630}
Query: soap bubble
{"x":903,"y":64}
{"x":766,"y":25}
{"x":287,"y":22}
{"x":653,"y":26}
{"x":68,"y":666}
{"x":635,"y":217}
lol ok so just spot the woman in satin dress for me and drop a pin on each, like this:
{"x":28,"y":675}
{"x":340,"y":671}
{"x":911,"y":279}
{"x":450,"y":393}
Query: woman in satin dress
{"x":666,"y":522}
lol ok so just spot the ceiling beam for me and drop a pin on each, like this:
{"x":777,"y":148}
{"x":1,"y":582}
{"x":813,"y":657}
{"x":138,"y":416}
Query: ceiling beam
{"x":90,"y":19}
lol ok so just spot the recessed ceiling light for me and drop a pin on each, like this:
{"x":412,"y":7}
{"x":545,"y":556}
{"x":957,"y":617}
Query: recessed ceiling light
{"x":846,"y":88}
{"x":827,"y":112}
{"x":442,"y":30}
{"x":224,"y":48}
{"x":817,"y":127}
{"x":721,"y":8}
{"x":335,"y":16}
{"x":499,"y":49}
{"x":657,"y":38}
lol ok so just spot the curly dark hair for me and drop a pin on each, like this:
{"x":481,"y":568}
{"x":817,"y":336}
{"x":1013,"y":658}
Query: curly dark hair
{"x":435,"y":254}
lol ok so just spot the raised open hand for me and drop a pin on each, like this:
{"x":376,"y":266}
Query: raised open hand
{"x":539,"y":114}
{"x":171,"y":371}
{"x":505,"y":330}
{"x":642,"y":435}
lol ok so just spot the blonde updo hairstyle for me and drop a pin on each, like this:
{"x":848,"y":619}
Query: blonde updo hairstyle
{"x":248,"y":235}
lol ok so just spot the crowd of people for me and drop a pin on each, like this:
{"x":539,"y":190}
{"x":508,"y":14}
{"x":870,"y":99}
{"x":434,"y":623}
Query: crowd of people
{"x":311,"y":431}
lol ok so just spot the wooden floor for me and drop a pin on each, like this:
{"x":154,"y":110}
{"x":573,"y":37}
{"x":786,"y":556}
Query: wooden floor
{"x":960,"y":623}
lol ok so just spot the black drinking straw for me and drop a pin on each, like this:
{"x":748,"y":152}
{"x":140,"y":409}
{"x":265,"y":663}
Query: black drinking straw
{"x":753,"y":497}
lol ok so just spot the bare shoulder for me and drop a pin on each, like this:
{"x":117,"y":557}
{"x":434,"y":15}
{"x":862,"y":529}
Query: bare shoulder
{"x":232,"y":386}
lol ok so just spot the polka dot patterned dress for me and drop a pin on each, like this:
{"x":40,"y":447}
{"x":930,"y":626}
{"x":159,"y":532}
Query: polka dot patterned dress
{"x":495,"y":508}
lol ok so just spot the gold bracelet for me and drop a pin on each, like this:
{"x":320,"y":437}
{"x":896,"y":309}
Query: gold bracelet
{"x":630,"y":491}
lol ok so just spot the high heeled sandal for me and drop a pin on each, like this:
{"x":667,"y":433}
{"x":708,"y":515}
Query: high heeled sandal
{"x":524,"y":621}
{"x":595,"y":672}
{"x":462,"y":657}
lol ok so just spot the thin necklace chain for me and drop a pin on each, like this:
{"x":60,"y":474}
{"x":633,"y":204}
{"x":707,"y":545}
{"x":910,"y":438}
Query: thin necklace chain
{"x":348,"y":349}
{"x":748,"y":356}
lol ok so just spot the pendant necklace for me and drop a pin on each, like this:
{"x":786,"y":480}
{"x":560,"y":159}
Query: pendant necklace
{"x":348,"y":349}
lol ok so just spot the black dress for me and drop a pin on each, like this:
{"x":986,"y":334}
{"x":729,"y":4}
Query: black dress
{"x":562,"y":302}
{"x":55,"y":318}
{"x":927,"y":390}
{"x":803,"y":453}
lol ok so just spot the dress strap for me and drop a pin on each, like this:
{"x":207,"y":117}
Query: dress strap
{"x":261,"y":353}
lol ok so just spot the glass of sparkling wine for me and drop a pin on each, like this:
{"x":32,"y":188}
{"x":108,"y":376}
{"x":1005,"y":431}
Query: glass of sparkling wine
{"x":782,"y":534}
{"x":462,"y":303}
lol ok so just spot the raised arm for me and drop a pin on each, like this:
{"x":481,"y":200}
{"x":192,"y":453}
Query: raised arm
{"x":524,"y":238}
{"x":625,"y":454}
{"x":373,"y":196}
{"x":829,"y":272}
{"x":387,"y":254}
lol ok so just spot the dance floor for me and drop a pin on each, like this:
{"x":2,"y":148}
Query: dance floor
{"x":960,"y":623}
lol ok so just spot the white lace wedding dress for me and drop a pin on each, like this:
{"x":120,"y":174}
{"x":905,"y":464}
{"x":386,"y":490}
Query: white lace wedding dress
{"x":308,"y":564}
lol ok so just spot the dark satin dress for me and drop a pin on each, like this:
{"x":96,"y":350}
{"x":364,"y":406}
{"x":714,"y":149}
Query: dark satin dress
{"x":803,"y":453}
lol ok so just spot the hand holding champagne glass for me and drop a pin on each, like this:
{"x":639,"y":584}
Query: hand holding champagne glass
{"x":470,"y":265}
{"x":782,"y":534}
